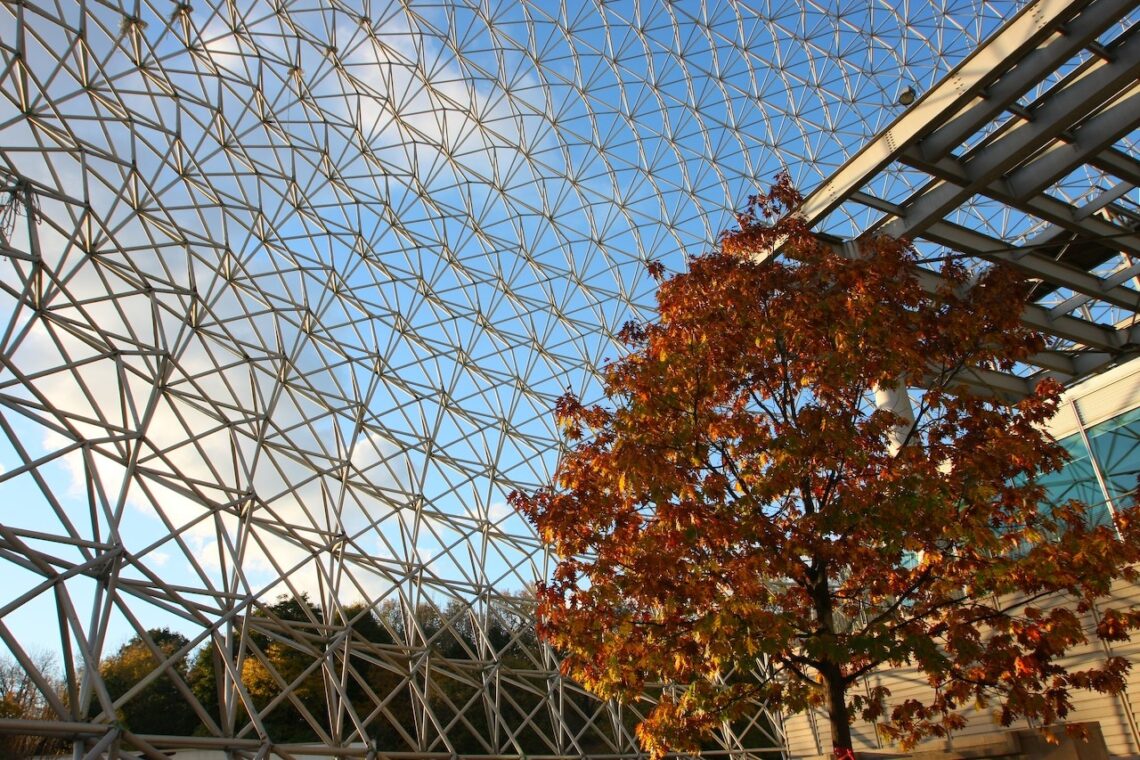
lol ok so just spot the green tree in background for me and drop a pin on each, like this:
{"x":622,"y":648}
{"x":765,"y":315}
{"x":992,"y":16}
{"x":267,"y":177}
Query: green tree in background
{"x":160,"y":707}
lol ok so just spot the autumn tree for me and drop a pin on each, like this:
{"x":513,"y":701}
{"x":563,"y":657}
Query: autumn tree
{"x":380,"y":669}
{"x":285,"y":679}
{"x":159,"y":707}
{"x":287,"y":652}
{"x":744,"y":506}
{"x":22,"y":699}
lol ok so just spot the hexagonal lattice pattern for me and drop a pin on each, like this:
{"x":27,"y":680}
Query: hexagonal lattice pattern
{"x":289,"y":289}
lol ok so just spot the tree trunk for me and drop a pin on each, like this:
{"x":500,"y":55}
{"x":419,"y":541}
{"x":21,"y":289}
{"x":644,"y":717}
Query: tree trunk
{"x":841,"y":746}
{"x":831,"y":671}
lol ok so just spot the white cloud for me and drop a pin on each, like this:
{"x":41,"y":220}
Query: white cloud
{"x":441,"y":117}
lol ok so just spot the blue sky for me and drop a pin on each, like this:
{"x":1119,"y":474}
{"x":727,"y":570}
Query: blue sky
{"x":337,"y":265}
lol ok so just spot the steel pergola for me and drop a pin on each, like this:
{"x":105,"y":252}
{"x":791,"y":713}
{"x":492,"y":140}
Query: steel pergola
{"x":1037,"y":125}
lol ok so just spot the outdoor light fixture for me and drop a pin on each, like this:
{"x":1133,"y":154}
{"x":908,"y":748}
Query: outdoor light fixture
{"x":906,"y":97}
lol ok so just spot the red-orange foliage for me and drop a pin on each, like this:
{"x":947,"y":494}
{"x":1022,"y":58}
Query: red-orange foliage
{"x":744,"y":501}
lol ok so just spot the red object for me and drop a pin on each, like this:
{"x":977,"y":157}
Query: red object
{"x":843,"y":753}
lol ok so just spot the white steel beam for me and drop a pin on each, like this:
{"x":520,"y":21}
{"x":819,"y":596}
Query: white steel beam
{"x":1099,"y":337}
{"x":989,"y":381}
{"x":1030,"y":70}
{"x":1118,"y":164}
{"x":1083,"y":332}
{"x":1043,"y":206}
{"x":1089,"y":139}
{"x":986,"y":163}
{"x":973,"y":243}
{"x":1033,"y":264}
{"x":1016,"y":39}
{"x":1088,"y":144}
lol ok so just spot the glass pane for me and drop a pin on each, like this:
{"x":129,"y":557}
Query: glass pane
{"x":1114,"y":443}
{"x":1076,"y":480}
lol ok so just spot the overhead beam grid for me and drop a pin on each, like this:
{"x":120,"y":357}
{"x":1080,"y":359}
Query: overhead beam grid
{"x":1024,"y":154}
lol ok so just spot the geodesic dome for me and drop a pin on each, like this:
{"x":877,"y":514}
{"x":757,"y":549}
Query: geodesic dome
{"x":290,"y":289}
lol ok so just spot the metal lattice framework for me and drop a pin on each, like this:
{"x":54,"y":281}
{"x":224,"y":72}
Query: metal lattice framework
{"x":1025,"y":154}
{"x":289,"y":290}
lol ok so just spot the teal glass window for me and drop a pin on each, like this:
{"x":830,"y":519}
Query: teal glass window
{"x":1077,"y":480}
{"x":1115,"y":446}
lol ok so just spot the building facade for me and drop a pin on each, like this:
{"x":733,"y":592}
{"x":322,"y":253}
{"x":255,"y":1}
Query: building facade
{"x":1099,"y":426}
